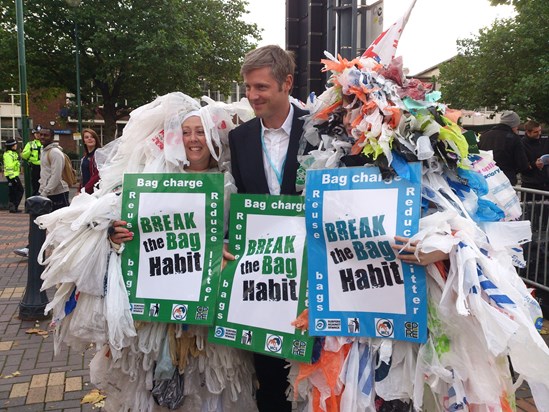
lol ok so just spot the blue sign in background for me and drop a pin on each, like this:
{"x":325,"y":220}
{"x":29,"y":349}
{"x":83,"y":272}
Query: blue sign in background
{"x":350,"y":259}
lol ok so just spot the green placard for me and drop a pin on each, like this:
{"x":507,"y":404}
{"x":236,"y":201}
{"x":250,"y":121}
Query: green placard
{"x":265,"y":288}
{"x":171,"y":267}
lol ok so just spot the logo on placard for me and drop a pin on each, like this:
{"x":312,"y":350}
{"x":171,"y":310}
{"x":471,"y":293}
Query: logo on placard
{"x":225,"y":333}
{"x":328,"y":324}
{"x":137,"y":308}
{"x":246,"y":338}
{"x":273,"y":343}
{"x":201,"y":313}
{"x":154,"y":310}
{"x":299,"y":347}
{"x":411,"y":330}
{"x":353,"y":325}
{"x":320,"y":324}
{"x":179,"y":312}
{"x":384,"y":327}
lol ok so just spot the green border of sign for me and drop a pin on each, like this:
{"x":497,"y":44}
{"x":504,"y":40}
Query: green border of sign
{"x":297,"y":346}
{"x":199,"y":312}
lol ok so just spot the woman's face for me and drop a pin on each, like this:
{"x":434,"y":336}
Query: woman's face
{"x":196,"y":148}
{"x":89,"y":141}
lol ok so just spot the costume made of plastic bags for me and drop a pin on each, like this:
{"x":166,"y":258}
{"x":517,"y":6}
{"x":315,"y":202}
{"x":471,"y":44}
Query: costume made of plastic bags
{"x":140,"y":366}
{"x":480,"y":313}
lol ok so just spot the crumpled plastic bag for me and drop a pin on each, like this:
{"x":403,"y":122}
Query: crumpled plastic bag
{"x":169,"y":392}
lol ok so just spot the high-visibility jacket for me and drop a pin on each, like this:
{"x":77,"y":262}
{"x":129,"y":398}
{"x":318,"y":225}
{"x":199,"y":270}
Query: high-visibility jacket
{"x":12,"y":165}
{"x":31,"y":152}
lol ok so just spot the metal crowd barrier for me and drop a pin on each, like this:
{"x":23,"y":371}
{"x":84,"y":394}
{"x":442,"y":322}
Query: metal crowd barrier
{"x":535,"y":208}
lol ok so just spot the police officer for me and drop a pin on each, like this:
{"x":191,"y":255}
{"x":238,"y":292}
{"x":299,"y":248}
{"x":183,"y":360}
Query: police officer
{"x":31,"y":153}
{"x":12,"y":169}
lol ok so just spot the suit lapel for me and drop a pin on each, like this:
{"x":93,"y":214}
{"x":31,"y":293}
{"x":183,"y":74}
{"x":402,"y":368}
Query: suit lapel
{"x":255,"y":157}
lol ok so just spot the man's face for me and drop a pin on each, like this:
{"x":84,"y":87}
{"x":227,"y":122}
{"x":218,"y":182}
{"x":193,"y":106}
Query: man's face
{"x":534,"y":133}
{"x":36,"y":135}
{"x":267,"y":97}
{"x":45,"y":137}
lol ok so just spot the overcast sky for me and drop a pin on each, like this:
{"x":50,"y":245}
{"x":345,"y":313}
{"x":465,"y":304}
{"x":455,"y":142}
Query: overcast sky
{"x":429,"y":38}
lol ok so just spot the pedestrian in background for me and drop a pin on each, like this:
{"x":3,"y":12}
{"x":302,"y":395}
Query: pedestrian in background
{"x":89,"y":175}
{"x":12,"y":169}
{"x":52,"y":184}
{"x":504,"y":142}
{"x":31,"y":153}
{"x":537,"y":176}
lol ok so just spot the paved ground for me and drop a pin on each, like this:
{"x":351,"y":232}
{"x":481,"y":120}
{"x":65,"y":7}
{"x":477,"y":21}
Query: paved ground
{"x":31,"y":378}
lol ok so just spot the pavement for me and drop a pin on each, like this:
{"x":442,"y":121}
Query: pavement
{"x":31,"y":377}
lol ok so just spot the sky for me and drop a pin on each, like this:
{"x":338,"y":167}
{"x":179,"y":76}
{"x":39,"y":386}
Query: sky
{"x":428,"y":39}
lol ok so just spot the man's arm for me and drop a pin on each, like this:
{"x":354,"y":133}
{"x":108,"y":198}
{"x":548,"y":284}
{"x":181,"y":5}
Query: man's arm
{"x":521,"y":160}
{"x":25,"y":154}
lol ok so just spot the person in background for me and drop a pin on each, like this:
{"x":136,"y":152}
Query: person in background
{"x":537,"y":176}
{"x":52,"y":163}
{"x":31,"y":153}
{"x":88,"y":167}
{"x":503,"y":140}
{"x":12,"y":169}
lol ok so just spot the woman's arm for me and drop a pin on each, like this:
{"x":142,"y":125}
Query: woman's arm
{"x":408,"y":252}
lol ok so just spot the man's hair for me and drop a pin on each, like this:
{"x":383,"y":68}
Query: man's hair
{"x":531,"y":125}
{"x":48,"y":132}
{"x":279,"y":60}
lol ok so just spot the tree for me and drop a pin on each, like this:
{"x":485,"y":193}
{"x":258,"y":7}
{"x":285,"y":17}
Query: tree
{"x":505,"y":65}
{"x":130,"y":50}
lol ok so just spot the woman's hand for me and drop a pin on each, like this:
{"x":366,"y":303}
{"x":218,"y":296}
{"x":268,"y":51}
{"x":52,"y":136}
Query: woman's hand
{"x":118,"y":233}
{"x":408,"y":253}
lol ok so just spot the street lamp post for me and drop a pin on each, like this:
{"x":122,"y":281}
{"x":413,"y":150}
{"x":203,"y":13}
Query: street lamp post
{"x":23,"y":85}
{"x":76,"y":3}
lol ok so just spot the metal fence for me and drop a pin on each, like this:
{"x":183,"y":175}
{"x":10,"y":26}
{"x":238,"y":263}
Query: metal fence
{"x":535,"y":208}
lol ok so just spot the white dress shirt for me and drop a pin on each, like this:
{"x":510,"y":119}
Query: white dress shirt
{"x":275,"y":150}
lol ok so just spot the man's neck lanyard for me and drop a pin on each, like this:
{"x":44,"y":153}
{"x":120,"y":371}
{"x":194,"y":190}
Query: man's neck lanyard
{"x":279,"y":173}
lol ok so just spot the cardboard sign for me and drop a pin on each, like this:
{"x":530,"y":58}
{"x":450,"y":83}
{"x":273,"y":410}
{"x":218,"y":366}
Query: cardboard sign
{"x":357,"y":285}
{"x":264,"y":289}
{"x":171,"y":267}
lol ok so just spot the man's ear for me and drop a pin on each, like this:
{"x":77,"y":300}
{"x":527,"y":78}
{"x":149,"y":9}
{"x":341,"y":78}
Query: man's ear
{"x":288,"y":83}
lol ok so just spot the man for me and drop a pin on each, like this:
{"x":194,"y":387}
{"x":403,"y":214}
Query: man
{"x":52,"y":162}
{"x":537,"y":176}
{"x":264,"y":161}
{"x":504,"y":141}
{"x":51,"y":184}
{"x":12,"y":169}
{"x":31,"y":153}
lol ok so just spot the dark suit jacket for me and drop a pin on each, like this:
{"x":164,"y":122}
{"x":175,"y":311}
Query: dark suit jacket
{"x":247,"y":157}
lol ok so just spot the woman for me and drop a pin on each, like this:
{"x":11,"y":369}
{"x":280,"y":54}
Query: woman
{"x":172,"y":134}
{"x":88,"y":167}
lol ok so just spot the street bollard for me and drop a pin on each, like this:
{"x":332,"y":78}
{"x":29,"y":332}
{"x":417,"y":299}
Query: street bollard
{"x":34,"y":302}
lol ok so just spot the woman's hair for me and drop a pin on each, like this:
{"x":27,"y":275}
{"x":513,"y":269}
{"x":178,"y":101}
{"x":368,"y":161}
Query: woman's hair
{"x":95,"y":137}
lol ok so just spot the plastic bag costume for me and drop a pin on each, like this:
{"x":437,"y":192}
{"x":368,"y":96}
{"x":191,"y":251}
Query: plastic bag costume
{"x":140,"y":365}
{"x":480,"y":313}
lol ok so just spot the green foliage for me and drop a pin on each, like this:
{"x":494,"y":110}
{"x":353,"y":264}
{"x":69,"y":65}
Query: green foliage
{"x":130,"y":50}
{"x":505,"y":65}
